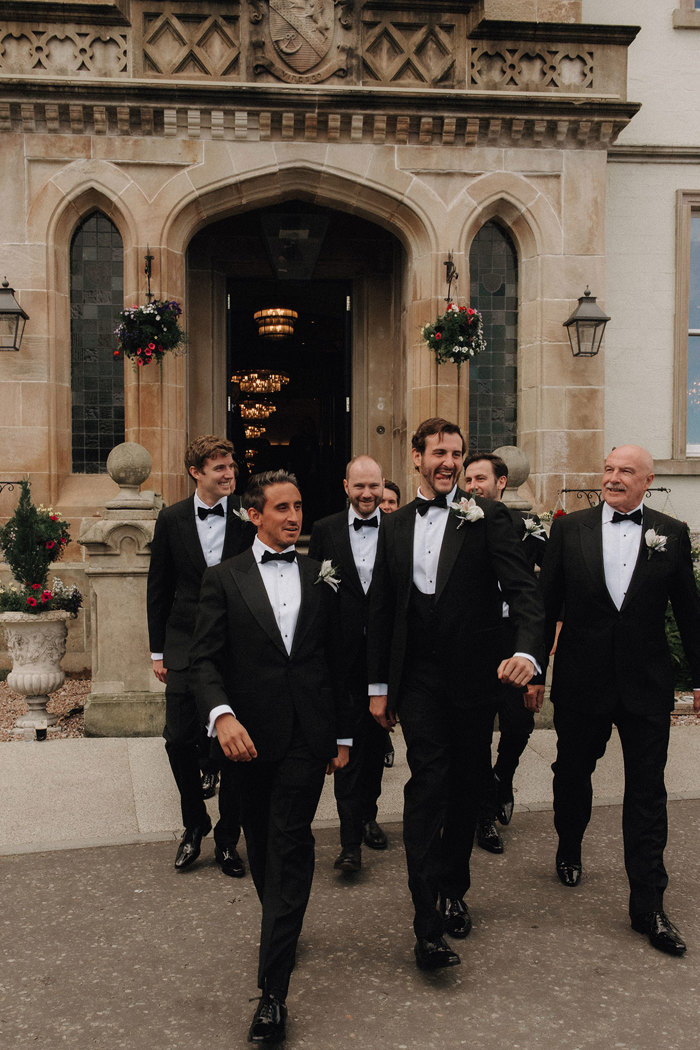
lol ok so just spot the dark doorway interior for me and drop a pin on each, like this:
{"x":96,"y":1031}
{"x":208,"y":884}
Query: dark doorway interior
{"x":307,"y":428}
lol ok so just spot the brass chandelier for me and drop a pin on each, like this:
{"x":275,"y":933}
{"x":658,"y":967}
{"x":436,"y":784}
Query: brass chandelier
{"x":260,"y":381}
{"x":275,"y":322}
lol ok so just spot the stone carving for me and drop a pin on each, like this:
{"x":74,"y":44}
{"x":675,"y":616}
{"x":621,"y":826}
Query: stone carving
{"x":408,"y":52}
{"x":301,"y":41}
{"x":62,"y":51}
{"x":182,"y":42}
{"x":496,"y":68}
{"x":37,"y":644}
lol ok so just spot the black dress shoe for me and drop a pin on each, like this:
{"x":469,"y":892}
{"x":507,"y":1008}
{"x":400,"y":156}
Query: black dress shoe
{"x":349,"y":861}
{"x":488,"y":838}
{"x":209,"y":782}
{"x":569,"y":872}
{"x":190,"y":845}
{"x":269,"y":1020}
{"x":660,"y":930}
{"x":230,"y":863}
{"x":433,"y":955}
{"x":458,"y":921}
{"x":504,"y":795}
{"x":373,"y":835}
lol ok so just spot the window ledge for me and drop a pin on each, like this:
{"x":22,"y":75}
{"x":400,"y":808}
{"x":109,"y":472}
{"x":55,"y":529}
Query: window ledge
{"x":678,"y":467}
{"x":686,"y":19}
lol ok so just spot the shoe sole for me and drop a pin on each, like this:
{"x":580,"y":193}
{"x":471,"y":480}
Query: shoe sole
{"x":437,"y":966}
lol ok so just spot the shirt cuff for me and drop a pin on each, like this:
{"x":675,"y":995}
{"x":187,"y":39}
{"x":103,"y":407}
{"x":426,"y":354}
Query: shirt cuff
{"x":346,"y":742}
{"x":156,"y":656}
{"x":222,"y":709}
{"x":533,"y":661}
{"x":377,"y":689}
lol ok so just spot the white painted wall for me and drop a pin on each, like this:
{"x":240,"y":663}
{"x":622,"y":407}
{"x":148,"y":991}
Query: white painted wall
{"x":664,"y":75}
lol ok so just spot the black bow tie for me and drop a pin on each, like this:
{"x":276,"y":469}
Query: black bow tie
{"x":371,"y":523}
{"x":204,"y":512}
{"x":286,"y":556}
{"x":423,"y":504}
{"x":635,"y":516}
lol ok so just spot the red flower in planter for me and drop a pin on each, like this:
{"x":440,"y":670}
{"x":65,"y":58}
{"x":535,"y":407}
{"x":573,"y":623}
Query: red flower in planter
{"x":31,"y":601}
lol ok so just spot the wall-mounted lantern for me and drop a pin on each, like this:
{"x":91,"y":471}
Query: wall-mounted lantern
{"x":586,"y":326}
{"x":12,"y":319}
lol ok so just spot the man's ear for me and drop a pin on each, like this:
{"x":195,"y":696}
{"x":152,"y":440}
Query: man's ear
{"x":501,"y":482}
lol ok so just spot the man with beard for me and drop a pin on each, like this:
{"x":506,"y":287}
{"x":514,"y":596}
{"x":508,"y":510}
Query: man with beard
{"x":349,"y":541}
{"x":613,"y":569}
{"x":433,"y":655}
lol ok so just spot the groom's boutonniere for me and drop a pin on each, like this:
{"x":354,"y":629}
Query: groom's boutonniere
{"x":242,"y":513}
{"x":466,"y":510}
{"x":655,"y":541}
{"x":533,"y":528}
{"x":327,"y":574}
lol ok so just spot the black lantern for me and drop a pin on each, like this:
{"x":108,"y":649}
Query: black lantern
{"x":586,"y":326}
{"x":12,"y":319}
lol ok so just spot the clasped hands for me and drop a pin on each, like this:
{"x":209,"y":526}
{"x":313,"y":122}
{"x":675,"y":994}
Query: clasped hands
{"x":237,"y":745}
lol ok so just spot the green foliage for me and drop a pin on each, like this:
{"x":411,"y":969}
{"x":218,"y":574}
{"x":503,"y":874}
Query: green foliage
{"x":147,"y":333}
{"x":32,"y":540}
{"x":457,"y":335}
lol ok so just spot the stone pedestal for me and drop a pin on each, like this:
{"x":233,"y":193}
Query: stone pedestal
{"x":126,"y":698}
{"x":518,"y":472}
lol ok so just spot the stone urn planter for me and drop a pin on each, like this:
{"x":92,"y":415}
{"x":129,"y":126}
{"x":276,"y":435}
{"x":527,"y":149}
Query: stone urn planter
{"x":37,"y":644}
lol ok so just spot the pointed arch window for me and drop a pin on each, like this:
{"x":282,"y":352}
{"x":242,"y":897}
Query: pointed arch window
{"x":97,"y":383}
{"x":493,"y":380}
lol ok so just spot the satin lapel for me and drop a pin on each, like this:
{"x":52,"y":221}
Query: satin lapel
{"x":451,"y":545}
{"x":649,"y":521}
{"x":249,"y":582}
{"x":190,"y":537}
{"x":402,"y":553}
{"x":348,"y":569}
{"x":233,"y":525}
{"x":591,"y":537}
{"x":307,"y":578}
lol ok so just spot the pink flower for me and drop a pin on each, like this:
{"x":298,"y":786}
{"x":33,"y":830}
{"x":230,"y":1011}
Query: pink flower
{"x":151,"y":346}
{"x":139,"y":360}
{"x":36,"y":586}
{"x":46,"y":596}
{"x":31,"y":601}
{"x":54,"y":517}
{"x":438,"y":335}
{"x":50,"y":544}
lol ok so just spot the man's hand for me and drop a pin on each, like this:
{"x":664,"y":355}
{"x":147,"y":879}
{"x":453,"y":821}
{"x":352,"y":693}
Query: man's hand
{"x":518,"y":671}
{"x":696,"y":701}
{"x":340,"y":760}
{"x":377,"y":708}
{"x":158,"y":670}
{"x":234,"y":740}
{"x":533,"y":697}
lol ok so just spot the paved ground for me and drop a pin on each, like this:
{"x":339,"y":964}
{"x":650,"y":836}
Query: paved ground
{"x":109,"y":947}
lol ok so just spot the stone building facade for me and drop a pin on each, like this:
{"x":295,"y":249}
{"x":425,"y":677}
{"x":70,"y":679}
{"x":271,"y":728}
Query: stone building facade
{"x":324,"y":155}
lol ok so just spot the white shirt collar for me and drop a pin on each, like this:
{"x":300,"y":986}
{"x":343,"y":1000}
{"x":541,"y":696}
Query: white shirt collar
{"x":200,"y":503}
{"x":259,"y":549}
{"x":608,"y":511}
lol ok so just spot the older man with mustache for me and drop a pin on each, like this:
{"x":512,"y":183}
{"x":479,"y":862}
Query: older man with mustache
{"x":613,"y":569}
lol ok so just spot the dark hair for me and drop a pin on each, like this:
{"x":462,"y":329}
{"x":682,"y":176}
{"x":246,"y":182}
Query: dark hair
{"x":205,"y":447}
{"x":254,"y":495}
{"x":500,"y":467}
{"x":436,"y":425}
{"x":393,"y":487}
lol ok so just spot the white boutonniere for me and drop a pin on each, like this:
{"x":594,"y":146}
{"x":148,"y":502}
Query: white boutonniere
{"x":655,"y":541}
{"x":466,"y":510}
{"x":327,"y":574}
{"x":242,"y":513}
{"x":533,"y":528}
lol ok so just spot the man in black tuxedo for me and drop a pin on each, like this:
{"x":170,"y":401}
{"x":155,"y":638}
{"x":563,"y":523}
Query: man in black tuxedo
{"x":349,"y":540}
{"x":613,"y":569}
{"x":189,"y":536}
{"x":435,"y":640}
{"x":486,"y":475}
{"x":265,"y":670}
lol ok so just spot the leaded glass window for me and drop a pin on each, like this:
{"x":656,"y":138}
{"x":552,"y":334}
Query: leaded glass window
{"x":493,"y":270}
{"x":97,"y":381}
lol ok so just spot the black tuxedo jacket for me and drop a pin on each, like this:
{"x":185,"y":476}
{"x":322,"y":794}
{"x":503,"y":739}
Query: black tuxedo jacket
{"x":238,"y":658}
{"x":605,"y":654}
{"x":330,"y":538}
{"x":468,"y":608}
{"x":533,"y":546}
{"x":175,"y":576}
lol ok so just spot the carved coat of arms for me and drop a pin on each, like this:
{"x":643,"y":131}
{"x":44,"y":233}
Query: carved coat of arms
{"x":303,"y":35}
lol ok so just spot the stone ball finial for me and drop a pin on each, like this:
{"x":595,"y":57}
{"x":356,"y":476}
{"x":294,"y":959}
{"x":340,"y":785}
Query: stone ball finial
{"x":129,"y":465}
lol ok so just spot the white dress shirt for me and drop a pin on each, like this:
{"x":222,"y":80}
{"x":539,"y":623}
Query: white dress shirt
{"x":620,"y":552}
{"x":427,"y":541}
{"x":363,"y":543}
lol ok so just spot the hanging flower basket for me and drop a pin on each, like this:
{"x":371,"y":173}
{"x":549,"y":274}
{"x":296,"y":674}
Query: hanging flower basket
{"x":148,"y":333}
{"x":457,"y":335}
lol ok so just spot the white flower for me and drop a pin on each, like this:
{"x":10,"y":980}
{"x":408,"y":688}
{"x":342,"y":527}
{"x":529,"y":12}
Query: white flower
{"x":655,"y":541}
{"x":533,"y":528}
{"x":327,"y":574}
{"x":466,"y":510}
{"x":242,"y":513}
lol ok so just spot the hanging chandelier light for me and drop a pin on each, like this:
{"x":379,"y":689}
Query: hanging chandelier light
{"x":258,"y":409}
{"x":254,"y":431}
{"x":275,"y":322}
{"x":260,"y":381}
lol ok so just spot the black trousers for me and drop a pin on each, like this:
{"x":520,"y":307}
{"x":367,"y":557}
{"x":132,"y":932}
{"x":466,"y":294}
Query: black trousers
{"x":182,"y":744}
{"x":581,"y":740}
{"x":515,"y":723}
{"x":359,"y":784}
{"x":278,"y":803}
